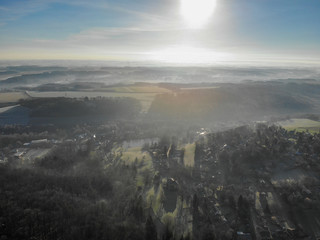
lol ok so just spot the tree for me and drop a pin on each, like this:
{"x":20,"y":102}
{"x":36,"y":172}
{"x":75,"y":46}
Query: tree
{"x":167,"y":234}
{"x":151,"y":231}
{"x":232,"y":202}
{"x":208,"y":235}
{"x":182,"y":156}
{"x":240,"y":202}
{"x":243,"y":206}
{"x":195,"y":205}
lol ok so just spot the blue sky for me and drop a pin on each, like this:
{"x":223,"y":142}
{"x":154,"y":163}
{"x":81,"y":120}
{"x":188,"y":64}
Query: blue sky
{"x":237,"y":30}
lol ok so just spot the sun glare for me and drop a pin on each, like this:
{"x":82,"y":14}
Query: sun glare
{"x":197,"y":12}
{"x":189,"y":55}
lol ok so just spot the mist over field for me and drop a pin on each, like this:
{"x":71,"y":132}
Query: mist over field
{"x":206,"y":95}
{"x":35,"y":75}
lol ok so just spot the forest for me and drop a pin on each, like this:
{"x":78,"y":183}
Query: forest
{"x":70,"y":107}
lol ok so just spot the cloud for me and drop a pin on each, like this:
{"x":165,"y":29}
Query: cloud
{"x":3,"y":9}
{"x":115,"y":39}
{"x":147,"y":31}
{"x":100,"y":43}
{"x":18,"y":9}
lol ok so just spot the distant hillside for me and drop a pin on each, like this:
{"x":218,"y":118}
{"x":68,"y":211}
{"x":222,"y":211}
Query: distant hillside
{"x":249,"y":101}
{"x":50,"y":77}
{"x":30,"y":76}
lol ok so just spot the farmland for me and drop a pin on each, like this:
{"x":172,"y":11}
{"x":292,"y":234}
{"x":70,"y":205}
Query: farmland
{"x":301,"y":125}
{"x":131,"y":154}
{"x":189,"y":155}
{"x":12,"y":97}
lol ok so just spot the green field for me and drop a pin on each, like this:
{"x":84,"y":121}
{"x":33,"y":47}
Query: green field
{"x":131,"y":154}
{"x":142,"y":159}
{"x":189,"y":154}
{"x":301,"y":125}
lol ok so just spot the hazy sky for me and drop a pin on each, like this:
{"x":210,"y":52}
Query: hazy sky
{"x":186,"y":31}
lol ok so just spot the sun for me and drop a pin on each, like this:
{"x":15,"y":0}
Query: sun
{"x":197,"y":12}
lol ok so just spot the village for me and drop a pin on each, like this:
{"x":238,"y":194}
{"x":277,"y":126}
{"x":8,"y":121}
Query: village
{"x":247,"y":184}
{"x":251,"y":182}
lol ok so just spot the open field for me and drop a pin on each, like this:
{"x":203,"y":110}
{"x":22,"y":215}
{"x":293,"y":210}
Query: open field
{"x":301,"y":125}
{"x":144,"y":159}
{"x":258,"y":206}
{"x":10,"y":97}
{"x":38,"y":153}
{"x":131,"y":154}
{"x":189,"y":154}
{"x":144,"y":163}
{"x":144,"y":98}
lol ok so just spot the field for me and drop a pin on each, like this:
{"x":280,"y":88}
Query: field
{"x":144,"y":163}
{"x":301,"y":125}
{"x":189,"y":154}
{"x":131,"y":154}
{"x":10,"y":97}
{"x":145,"y":98}
{"x":33,"y":154}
